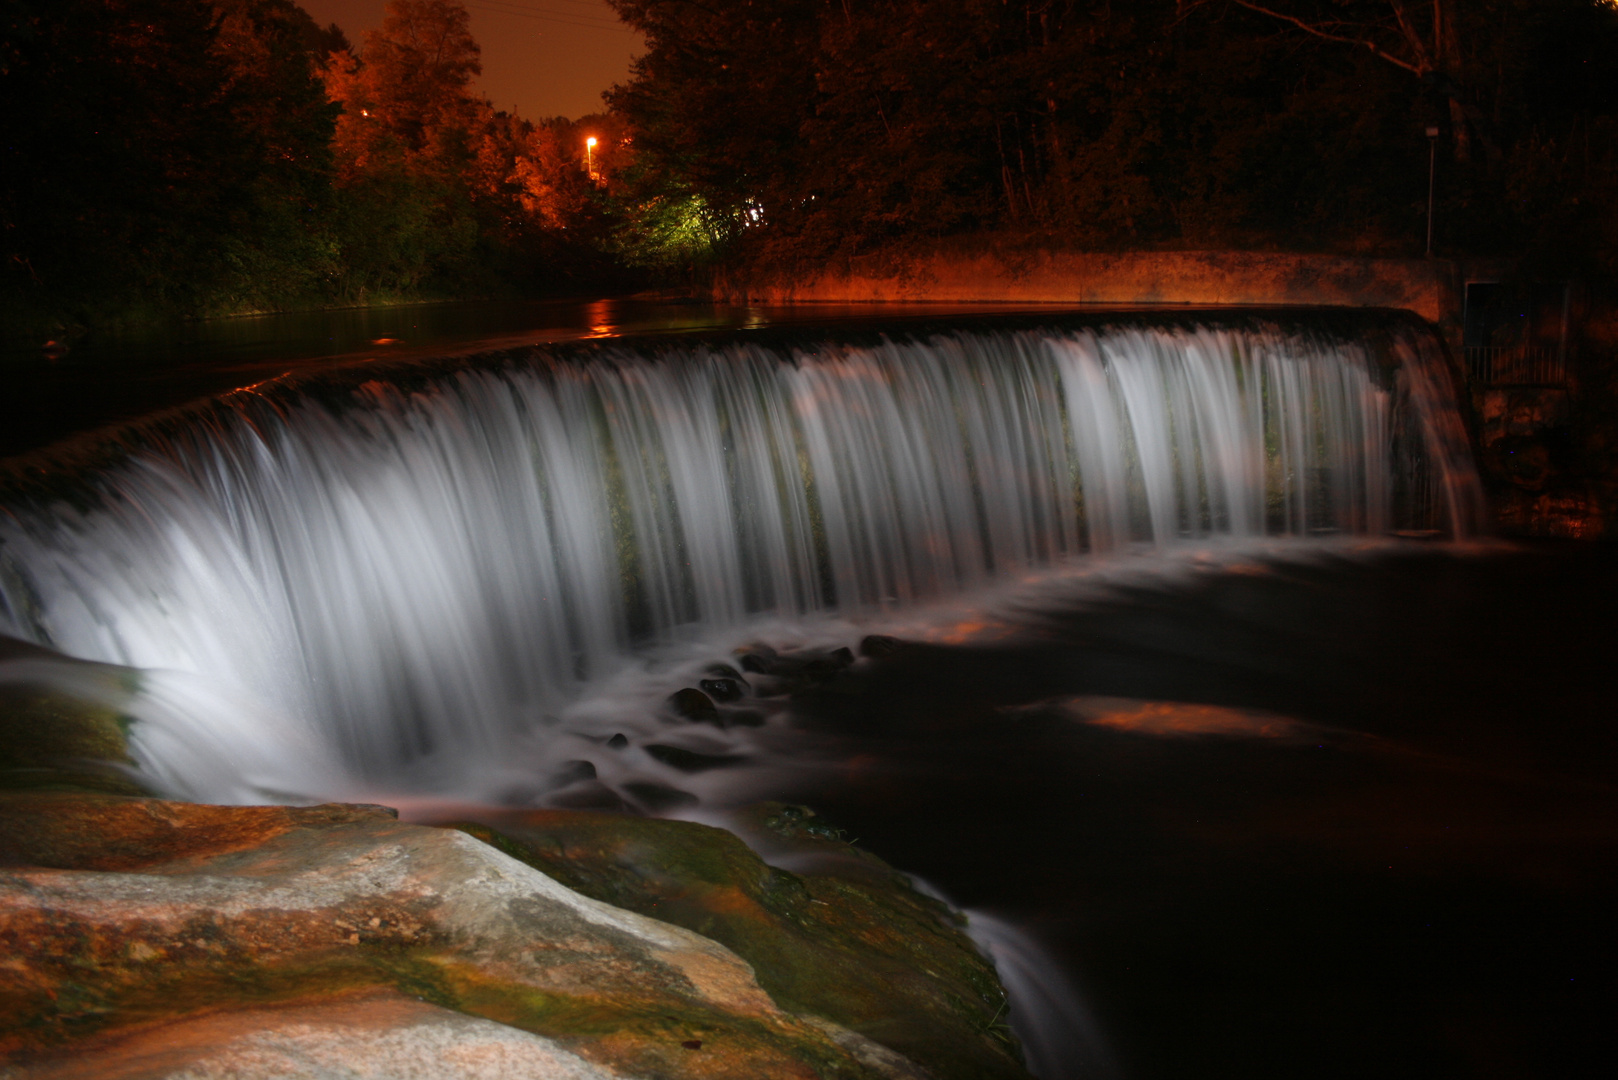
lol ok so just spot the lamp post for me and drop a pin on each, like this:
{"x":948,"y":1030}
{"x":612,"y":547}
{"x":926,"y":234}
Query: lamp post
{"x":1432,"y":181}
{"x":590,"y":162}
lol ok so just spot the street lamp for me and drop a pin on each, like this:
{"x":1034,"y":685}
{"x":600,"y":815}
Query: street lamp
{"x":590,"y":160}
{"x":1432,"y":181}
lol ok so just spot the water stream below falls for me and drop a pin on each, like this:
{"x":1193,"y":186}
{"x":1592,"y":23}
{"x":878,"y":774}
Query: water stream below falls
{"x":437,"y":583}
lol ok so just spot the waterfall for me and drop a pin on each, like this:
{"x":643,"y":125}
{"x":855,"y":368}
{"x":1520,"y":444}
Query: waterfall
{"x":406,"y":572}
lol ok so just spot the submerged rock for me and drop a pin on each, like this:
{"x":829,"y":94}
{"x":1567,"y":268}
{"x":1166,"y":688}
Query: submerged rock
{"x":692,"y":704}
{"x":755,"y":657}
{"x":574,"y":771}
{"x":741,"y":718}
{"x":657,"y":797}
{"x":690,"y":760}
{"x":723,"y":689}
{"x":806,"y":663}
{"x":589,"y":795}
{"x":880,"y":646}
{"x":122,"y":916}
{"x":795,"y":672}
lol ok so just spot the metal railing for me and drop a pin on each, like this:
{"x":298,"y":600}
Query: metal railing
{"x":1516,"y":365}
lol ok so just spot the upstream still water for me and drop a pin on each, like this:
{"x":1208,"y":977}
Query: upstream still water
{"x":117,"y":377}
{"x":1281,"y":791}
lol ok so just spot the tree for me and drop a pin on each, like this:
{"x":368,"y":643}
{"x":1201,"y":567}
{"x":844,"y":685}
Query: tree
{"x":415,"y":82}
{"x":1534,"y":82}
{"x":854,"y":126}
{"x":439,"y":191}
{"x":142,"y":169}
{"x":1426,"y":44}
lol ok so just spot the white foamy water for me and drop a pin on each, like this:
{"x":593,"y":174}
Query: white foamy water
{"x":411,"y":590}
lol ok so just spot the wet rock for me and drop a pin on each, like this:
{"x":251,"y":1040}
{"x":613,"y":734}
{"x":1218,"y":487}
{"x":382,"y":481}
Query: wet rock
{"x":723,"y":671}
{"x":880,"y":646}
{"x":771,"y":687}
{"x":120,"y":914}
{"x":618,"y":741}
{"x":692,"y":704}
{"x":589,"y":795}
{"x":572,"y":772}
{"x":658,"y":797}
{"x":724,"y":690}
{"x":77,"y":831}
{"x":50,"y":740}
{"x":690,"y":760}
{"x":382,"y":1035}
{"x":844,"y":684}
{"x":741,"y":718}
{"x":800,"y":823}
{"x":861,"y":949}
{"x":800,"y":663}
{"x":757,"y":651}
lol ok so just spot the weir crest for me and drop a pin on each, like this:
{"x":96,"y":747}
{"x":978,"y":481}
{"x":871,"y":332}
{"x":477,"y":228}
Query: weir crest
{"x":393,"y":579}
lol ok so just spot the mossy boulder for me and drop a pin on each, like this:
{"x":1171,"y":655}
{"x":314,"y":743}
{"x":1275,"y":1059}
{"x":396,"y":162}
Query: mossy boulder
{"x":122,"y":915}
{"x":859,"y":947}
{"x":53,"y":740}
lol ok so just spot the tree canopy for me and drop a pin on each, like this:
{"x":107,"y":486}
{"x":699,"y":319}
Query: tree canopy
{"x":202,"y":156}
{"x":843,"y":126}
{"x":207,"y":156}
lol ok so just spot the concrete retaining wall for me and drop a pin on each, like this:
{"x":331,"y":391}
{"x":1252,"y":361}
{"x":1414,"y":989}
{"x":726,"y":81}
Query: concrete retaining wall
{"x":1432,"y":288}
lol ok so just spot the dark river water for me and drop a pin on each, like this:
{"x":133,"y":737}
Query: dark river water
{"x":1377,"y":835}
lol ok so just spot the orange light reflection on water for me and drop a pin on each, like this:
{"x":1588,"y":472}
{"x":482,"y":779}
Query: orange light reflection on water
{"x":252,"y":388}
{"x":602,"y":319}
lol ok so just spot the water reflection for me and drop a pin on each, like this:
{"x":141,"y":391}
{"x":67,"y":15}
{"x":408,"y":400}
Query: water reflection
{"x":58,"y":389}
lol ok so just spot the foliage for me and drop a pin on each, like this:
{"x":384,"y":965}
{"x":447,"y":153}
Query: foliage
{"x":203,"y":156}
{"x":669,"y":232}
{"x":438,"y":192}
{"x":857,"y":126}
{"x":161,"y":152}
{"x":211,"y":156}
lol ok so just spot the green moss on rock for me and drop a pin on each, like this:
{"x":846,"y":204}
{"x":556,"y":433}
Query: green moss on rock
{"x":864,"y":950}
{"x":50,"y":740}
{"x":121,"y":914}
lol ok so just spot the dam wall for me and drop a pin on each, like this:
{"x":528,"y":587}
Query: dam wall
{"x":1435,"y":289}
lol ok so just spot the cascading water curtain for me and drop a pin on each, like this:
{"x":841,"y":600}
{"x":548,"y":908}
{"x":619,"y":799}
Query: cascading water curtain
{"x":407,"y":577}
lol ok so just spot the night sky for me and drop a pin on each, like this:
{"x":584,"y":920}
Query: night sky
{"x":545,"y":57}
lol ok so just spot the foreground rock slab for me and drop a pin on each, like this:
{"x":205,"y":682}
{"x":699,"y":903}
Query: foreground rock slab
{"x":849,"y":939}
{"x":149,"y":921}
{"x":378,"y":1036}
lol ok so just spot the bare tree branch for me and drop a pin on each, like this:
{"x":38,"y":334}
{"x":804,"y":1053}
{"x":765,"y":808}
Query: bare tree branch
{"x":1413,"y":38}
{"x":1419,"y":68}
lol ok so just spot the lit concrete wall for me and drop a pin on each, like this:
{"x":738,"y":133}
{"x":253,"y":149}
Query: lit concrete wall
{"x":1432,"y":288}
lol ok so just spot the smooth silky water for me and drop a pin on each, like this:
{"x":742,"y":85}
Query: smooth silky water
{"x":1137,"y":551}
